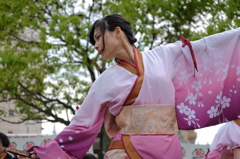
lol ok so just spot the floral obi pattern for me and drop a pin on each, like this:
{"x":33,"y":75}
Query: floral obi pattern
{"x":146,"y":119}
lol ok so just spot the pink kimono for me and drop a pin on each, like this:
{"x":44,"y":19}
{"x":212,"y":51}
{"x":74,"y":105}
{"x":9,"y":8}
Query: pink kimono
{"x":138,"y":103}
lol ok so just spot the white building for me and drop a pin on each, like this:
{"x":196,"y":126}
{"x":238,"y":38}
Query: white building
{"x":28,"y":127}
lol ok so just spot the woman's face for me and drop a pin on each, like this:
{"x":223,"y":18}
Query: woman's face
{"x":111,"y":43}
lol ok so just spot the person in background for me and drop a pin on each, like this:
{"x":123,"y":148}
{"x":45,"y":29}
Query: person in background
{"x":226,"y":143}
{"x":4,"y":142}
{"x":89,"y":156}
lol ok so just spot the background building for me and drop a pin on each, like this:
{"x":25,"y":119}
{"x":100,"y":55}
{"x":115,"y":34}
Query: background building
{"x":27,"y":127}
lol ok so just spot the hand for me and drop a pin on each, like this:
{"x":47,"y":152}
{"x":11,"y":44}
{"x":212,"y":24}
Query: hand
{"x":33,"y":155}
{"x":227,"y":155}
{"x":236,"y":152}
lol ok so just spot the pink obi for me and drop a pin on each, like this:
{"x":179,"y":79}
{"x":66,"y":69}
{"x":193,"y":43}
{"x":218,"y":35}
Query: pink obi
{"x":146,"y":119}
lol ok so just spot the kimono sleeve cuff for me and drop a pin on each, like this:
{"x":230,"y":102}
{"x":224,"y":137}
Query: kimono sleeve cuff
{"x":50,"y":150}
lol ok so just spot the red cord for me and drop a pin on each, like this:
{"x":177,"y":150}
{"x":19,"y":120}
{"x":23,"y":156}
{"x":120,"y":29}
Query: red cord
{"x":188,"y":43}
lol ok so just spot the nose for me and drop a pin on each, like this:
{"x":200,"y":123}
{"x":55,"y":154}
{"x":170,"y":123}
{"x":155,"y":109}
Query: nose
{"x":96,"y":46}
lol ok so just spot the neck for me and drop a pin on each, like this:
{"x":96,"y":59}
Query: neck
{"x":126,"y":49}
{"x":127,"y":54}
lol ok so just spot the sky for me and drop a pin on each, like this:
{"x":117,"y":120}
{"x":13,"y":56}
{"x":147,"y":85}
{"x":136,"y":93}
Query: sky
{"x":204,"y":136}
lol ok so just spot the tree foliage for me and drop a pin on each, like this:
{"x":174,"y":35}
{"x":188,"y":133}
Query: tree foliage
{"x":161,"y":22}
{"x":47,"y":63}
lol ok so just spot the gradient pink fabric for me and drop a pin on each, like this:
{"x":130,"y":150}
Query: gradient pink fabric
{"x":155,"y":146}
{"x":158,"y":146}
{"x":212,"y":97}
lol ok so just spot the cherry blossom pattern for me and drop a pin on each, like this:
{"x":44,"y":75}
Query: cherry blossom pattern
{"x":213,"y":112}
{"x":70,"y":138}
{"x":182,"y":108}
{"x":183,"y":78}
{"x":233,"y":90}
{"x":191,"y":98}
{"x":212,"y":61}
{"x":225,"y":102}
{"x":190,"y":115}
{"x":222,"y":102}
{"x":197,"y":86}
{"x":224,"y":73}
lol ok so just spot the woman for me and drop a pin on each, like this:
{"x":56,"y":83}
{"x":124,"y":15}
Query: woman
{"x":137,"y":97}
{"x":4,"y":142}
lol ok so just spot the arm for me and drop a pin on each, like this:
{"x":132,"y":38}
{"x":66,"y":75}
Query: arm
{"x":212,"y":95}
{"x":77,"y":138}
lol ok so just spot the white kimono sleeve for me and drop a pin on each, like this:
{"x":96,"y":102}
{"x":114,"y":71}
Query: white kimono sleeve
{"x":212,"y":96}
{"x":112,"y":86}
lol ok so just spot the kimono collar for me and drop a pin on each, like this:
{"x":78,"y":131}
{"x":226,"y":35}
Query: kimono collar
{"x":138,"y":70}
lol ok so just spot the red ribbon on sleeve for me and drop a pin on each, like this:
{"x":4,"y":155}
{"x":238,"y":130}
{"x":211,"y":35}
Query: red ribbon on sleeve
{"x":188,"y":43}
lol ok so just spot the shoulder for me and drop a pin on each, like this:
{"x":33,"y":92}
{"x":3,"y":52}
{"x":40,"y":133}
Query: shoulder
{"x":113,"y":82}
{"x":164,"y":48}
{"x":114,"y":74}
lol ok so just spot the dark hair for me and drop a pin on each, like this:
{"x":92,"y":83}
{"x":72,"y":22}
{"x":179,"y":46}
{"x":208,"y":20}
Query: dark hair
{"x":110,"y":22}
{"x":89,"y":156}
{"x":4,"y":140}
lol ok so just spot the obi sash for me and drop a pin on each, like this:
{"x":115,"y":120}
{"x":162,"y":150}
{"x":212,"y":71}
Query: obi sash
{"x":143,"y":120}
{"x":146,"y":119}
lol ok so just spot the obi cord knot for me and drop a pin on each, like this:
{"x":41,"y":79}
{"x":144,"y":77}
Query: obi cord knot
{"x":188,"y":43}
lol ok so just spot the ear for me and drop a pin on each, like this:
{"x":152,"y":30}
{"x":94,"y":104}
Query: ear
{"x":118,"y":31}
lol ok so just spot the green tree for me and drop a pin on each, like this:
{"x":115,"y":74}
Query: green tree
{"x":47,"y":62}
{"x":162,"y":21}
{"x":49,"y":70}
